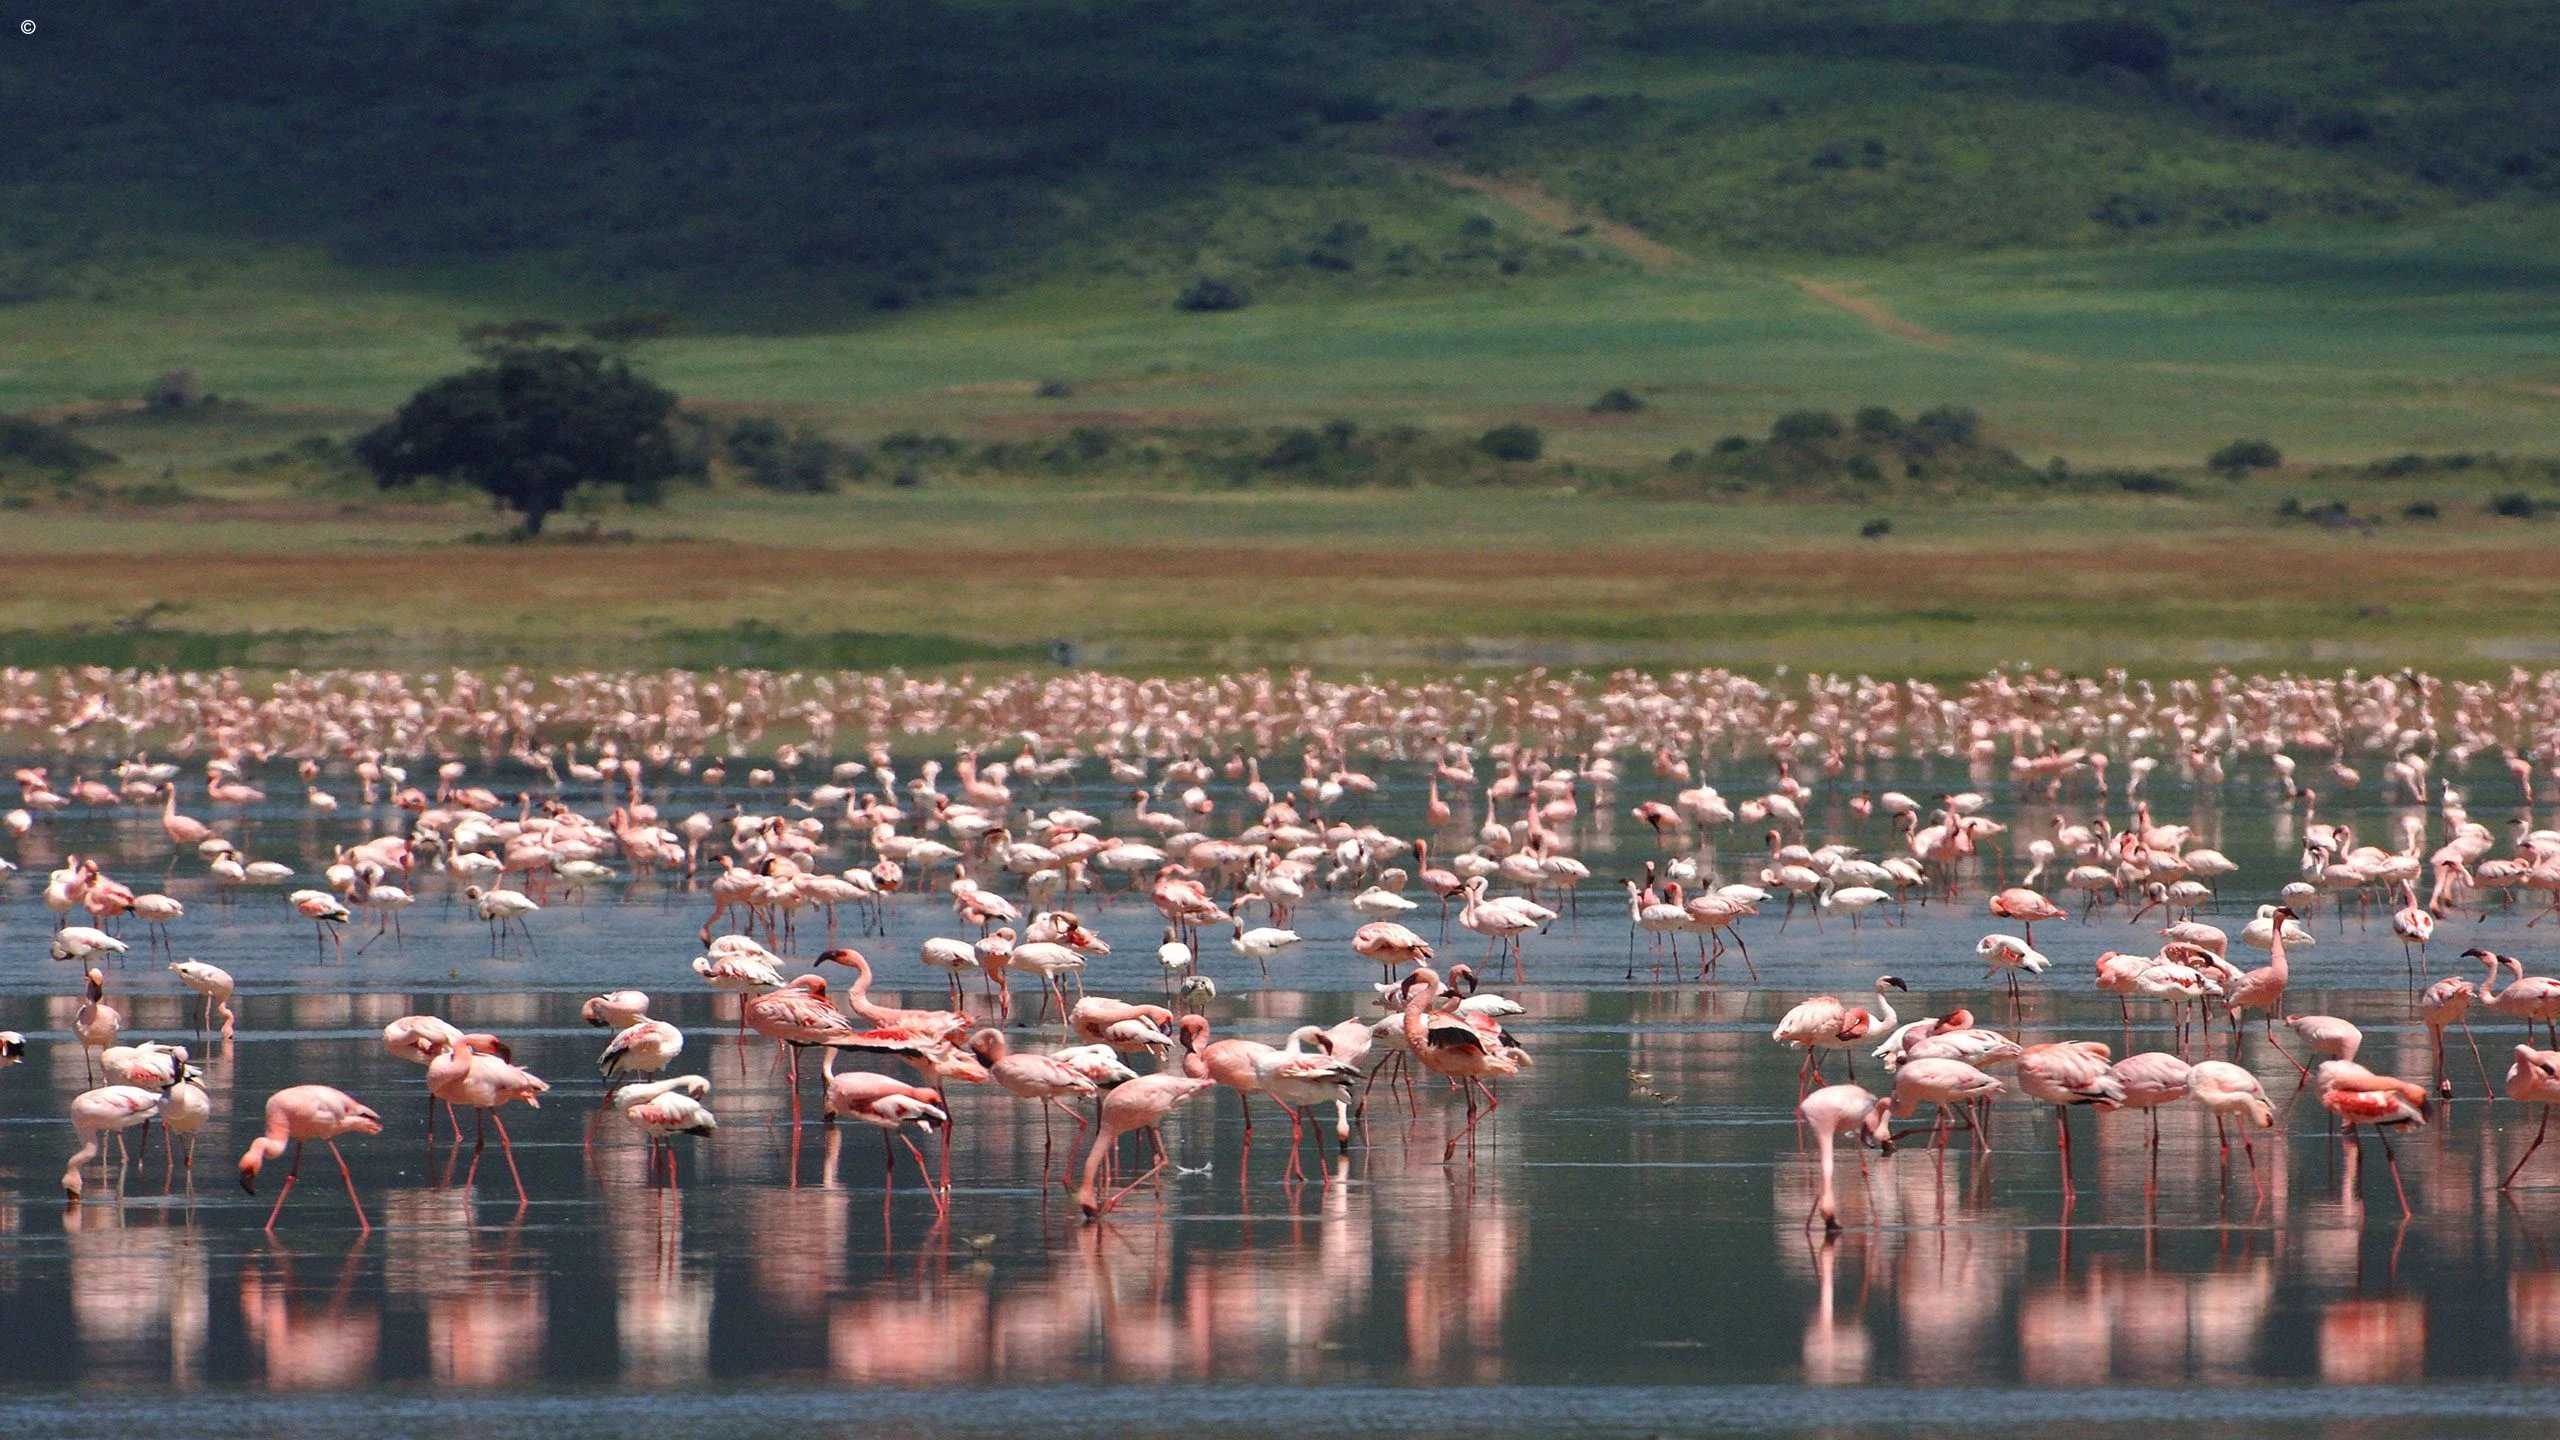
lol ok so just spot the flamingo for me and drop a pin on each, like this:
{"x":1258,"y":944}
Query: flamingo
{"x":214,"y":984}
{"x":663,"y":1109}
{"x":2263,"y":988}
{"x":890,"y":1105}
{"x":2448,"y":1002}
{"x":476,"y":1074}
{"x":2026,"y":907}
{"x":2232,"y":1093}
{"x":1451,"y":1047}
{"x":297,"y":1115}
{"x":1143,"y":1104}
{"x":1822,"y":1022}
{"x":2358,"y":1096}
{"x":96,"y":1113}
{"x":1834,"y":1111}
{"x":2534,"y":1079}
{"x":1044,"y":1079}
{"x":2063,"y":1075}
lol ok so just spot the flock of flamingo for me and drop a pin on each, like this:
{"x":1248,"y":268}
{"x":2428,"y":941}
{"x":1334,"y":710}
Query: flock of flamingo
{"x":517,"y":792}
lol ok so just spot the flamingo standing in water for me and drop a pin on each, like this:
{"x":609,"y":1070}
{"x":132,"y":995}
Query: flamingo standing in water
{"x":2026,"y":907}
{"x":297,"y":1115}
{"x":2358,"y":1096}
{"x":97,"y":1113}
{"x":2232,"y":1093}
{"x":1143,"y":1104}
{"x":2063,"y":1075}
{"x":2534,"y":999}
{"x":214,"y":984}
{"x":1822,"y":1022}
{"x":1038,"y":1078}
{"x":663,"y":1109}
{"x":2448,"y":1002}
{"x":2262,"y":989}
{"x":1834,"y":1111}
{"x":890,"y":1105}
{"x":1453,"y":1047}
{"x":477,"y":1073}
{"x":2533,"y":1080}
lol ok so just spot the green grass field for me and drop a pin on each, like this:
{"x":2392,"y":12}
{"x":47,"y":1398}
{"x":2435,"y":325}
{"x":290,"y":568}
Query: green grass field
{"x":2328,"y":227}
{"x":2338,"y":345}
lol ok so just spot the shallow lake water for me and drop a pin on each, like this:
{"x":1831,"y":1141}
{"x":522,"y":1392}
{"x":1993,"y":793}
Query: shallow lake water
{"x":1626,"y":1253}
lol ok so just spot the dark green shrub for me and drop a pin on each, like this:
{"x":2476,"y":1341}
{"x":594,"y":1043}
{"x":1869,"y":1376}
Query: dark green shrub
{"x":178,"y":389}
{"x":1875,"y":529}
{"x":2246,"y":455}
{"x":1620,"y":401}
{"x":1209,"y":294}
{"x":1948,"y":425}
{"x":2419,"y":510}
{"x":2514,"y":505}
{"x":1512,"y":442}
{"x":1805,"y":427}
{"x":1877,"y":421}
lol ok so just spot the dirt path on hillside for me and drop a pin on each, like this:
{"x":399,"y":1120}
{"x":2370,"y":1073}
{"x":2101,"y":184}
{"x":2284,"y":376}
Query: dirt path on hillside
{"x":1410,"y":140}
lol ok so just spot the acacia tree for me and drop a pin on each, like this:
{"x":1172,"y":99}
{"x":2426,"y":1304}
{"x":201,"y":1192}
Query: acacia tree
{"x":532,"y":423}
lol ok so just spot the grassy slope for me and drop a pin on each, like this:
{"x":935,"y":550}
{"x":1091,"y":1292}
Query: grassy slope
{"x":2338,"y":346}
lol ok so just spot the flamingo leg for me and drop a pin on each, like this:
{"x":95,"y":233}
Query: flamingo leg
{"x":2383,"y":1134}
{"x":2538,"y":1132}
{"x":289,"y":1177}
{"x":508,"y":1149}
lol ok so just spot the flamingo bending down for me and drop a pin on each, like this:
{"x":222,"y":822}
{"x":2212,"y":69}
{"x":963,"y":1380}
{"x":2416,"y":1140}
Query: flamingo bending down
{"x":1142,"y":1104}
{"x":96,"y":1113}
{"x":2358,"y":1096}
{"x":890,"y":1105}
{"x":299,"y":1114}
{"x":475,"y":1074}
{"x":663,"y":1109}
{"x":1041,"y":1078}
{"x":2232,"y":1093}
{"x":1834,"y":1111}
{"x":2533,"y":1080}
{"x":2448,"y":1002}
{"x":2065,"y":1074}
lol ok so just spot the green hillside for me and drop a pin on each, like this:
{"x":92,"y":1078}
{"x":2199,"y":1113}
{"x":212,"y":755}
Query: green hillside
{"x":800,"y":163}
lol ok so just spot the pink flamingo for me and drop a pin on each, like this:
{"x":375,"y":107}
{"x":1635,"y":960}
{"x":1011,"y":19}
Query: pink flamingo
{"x":2232,"y":1093}
{"x":2533,"y":1080}
{"x":1834,"y":1111}
{"x":2263,"y":989}
{"x":2534,"y":999}
{"x":890,"y":1105}
{"x":2065,"y":1074}
{"x":477,"y":1073}
{"x":1142,"y":1104}
{"x":2026,"y":907}
{"x":1449,"y":1046}
{"x":1038,"y":1078}
{"x":1942,"y":1084}
{"x":2358,"y":1096}
{"x":2448,"y":1002}
{"x":300,"y":1114}
{"x":939,"y":1024}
